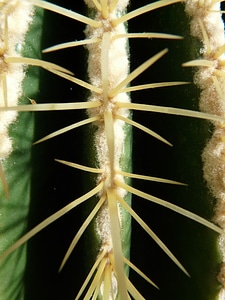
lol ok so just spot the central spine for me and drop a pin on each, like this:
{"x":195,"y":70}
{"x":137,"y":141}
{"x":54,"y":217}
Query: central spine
{"x":108,"y":67}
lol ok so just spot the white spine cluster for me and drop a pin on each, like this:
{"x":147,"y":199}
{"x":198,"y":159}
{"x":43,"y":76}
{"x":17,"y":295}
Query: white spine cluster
{"x":15,"y":16}
{"x":208,"y":26}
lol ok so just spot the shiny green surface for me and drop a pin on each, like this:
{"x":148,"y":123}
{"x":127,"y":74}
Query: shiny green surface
{"x":14,"y":210}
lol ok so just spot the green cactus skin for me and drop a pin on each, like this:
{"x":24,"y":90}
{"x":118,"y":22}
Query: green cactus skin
{"x":54,"y":185}
{"x":18,"y":169}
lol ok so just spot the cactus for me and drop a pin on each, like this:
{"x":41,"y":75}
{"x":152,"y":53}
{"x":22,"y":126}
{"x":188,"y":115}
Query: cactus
{"x":74,"y":183}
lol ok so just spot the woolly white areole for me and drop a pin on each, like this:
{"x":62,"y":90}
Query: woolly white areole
{"x":107,"y":67}
{"x":12,"y":36}
{"x":207,"y":25}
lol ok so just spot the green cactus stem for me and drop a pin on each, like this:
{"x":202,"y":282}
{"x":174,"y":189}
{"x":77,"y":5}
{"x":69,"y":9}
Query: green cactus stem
{"x":82,"y":148}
